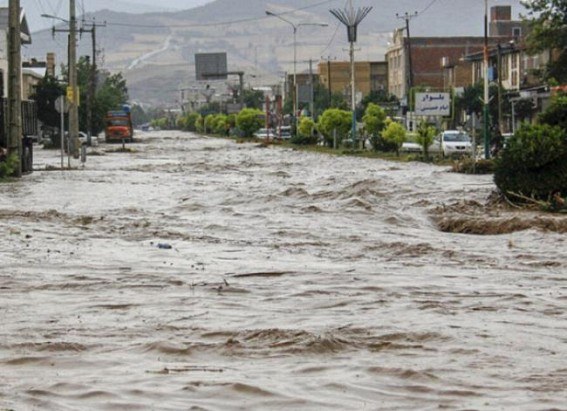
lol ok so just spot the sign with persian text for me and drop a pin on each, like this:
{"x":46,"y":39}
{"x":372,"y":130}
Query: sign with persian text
{"x":432,"y":104}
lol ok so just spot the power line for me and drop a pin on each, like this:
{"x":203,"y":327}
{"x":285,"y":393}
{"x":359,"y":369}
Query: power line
{"x":222,"y":23}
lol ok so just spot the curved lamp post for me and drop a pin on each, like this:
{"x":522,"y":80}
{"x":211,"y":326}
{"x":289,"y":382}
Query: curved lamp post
{"x":295,"y":27}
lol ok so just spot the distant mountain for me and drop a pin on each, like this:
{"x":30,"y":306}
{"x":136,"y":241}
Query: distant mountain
{"x":155,"y":51}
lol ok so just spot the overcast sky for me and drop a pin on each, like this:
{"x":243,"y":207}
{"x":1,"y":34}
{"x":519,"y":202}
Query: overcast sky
{"x":35,"y":8}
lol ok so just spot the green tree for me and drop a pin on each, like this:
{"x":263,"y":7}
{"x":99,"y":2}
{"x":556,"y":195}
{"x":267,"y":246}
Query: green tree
{"x":556,"y":113}
{"x":374,"y":122}
{"x":334,"y":119}
{"x":46,"y":93}
{"x":389,"y":103}
{"x":253,"y":98}
{"x":425,"y":137}
{"x":249,"y":120}
{"x":396,"y":134}
{"x":471,"y":100}
{"x":547,"y":20}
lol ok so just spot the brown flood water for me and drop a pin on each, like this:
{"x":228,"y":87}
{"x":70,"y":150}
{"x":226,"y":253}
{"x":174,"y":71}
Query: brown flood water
{"x":295,"y":281}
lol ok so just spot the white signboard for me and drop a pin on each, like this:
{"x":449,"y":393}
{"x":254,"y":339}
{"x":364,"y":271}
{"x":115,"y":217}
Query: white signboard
{"x":432,"y":104}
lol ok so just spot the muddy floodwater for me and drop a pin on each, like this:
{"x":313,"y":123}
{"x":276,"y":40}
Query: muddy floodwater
{"x":197,"y":273}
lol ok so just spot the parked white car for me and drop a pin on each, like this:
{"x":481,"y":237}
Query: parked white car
{"x":455,"y":142}
{"x":265,"y":134}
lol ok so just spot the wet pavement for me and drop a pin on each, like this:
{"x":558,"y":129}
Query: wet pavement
{"x":199,"y":273}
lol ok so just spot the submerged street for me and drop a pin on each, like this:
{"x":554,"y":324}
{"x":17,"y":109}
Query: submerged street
{"x":199,"y":273}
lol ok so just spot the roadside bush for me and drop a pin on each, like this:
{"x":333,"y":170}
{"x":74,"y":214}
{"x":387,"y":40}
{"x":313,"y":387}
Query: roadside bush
{"x":534,"y":162}
{"x":304,"y":134}
{"x":425,"y":137}
{"x":187,"y":122}
{"x":334,"y":119}
{"x":199,"y":123}
{"x":249,"y":120}
{"x":8,"y":166}
{"x":374,"y":122}
{"x":395,"y":133}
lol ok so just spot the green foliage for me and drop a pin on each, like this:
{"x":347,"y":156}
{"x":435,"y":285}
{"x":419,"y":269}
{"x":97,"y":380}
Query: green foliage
{"x":200,"y":123}
{"x":547,"y":32}
{"x":556,"y":113}
{"x":249,"y":120}
{"x":374,"y":122}
{"x":534,"y":162}
{"x":388,"y":102}
{"x":46,"y":93}
{"x":253,"y":98}
{"x":209,"y":123}
{"x":220,"y":124}
{"x":306,"y":126}
{"x":9,"y":166}
{"x":162,"y":123}
{"x":524,"y":109}
{"x":425,"y":137}
{"x":188,"y":121}
{"x":305,"y":134}
{"x":332,"y":119}
{"x":395,"y":133}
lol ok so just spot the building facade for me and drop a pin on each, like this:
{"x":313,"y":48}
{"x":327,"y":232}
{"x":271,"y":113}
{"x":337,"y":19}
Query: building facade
{"x":369,"y":76}
{"x":440,"y":62}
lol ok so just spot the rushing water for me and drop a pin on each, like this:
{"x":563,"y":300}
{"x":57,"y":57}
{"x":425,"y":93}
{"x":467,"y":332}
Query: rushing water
{"x":295,"y":281}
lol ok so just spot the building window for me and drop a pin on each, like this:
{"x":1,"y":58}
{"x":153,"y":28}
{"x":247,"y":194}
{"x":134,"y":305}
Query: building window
{"x":516,"y":31}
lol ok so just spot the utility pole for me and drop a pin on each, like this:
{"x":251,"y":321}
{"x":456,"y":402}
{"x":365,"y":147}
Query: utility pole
{"x":407,"y":17}
{"x":92,"y":80}
{"x":485,"y":116}
{"x":329,"y":82}
{"x":72,"y":91}
{"x":311,"y":91}
{"x":14,"y":85}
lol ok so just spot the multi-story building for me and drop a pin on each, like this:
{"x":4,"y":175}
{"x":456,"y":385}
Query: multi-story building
{"x":439,"y":62}
{"x":369,"y":76}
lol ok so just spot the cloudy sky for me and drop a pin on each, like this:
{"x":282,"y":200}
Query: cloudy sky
{"x":35,"y":8}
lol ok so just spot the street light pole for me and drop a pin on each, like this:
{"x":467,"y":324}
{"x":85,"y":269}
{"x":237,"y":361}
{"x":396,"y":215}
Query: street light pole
{"x":295,"y":86}
{"x":486,"y":94}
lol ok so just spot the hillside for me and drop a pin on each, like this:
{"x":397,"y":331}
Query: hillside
{"x":155,"y":51}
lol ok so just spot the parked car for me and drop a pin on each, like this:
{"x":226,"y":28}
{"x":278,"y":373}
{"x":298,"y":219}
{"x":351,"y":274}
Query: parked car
{"x":455,"y":142}
{"x":83,"y":138}
{"x":413,"y":147}
{"x":265,"y":133}
{"x":285,"y":132}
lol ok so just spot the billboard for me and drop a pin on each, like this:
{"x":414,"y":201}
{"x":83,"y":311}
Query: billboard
{"x":432,"y":104}
{"x":210,"y":66}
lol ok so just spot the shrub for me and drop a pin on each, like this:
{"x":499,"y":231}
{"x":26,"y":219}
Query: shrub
{"x":304,"y":134}
{"x":534,"y":162}
{"x":425,"y":137}
{"x":395,"y":133}
{"x":249,"y":120}
{"x":334,"y":119}
{"x":8,"y":166}
{"x":374,"y":122}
